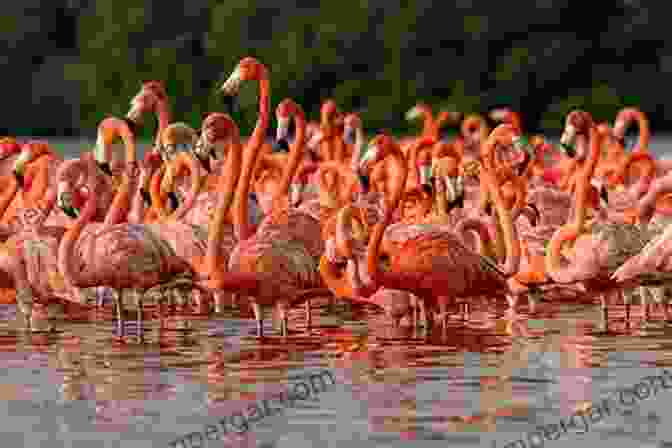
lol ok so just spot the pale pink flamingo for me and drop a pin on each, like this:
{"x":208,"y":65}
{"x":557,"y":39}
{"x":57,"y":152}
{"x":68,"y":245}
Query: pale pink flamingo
{"x":596,"y":254}
{"x":119,"y":256}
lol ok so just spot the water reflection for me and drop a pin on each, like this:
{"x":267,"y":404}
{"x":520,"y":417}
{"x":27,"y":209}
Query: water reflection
{"x":497,"y":372}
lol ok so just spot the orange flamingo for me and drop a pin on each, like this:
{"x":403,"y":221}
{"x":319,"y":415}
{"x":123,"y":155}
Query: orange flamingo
{"x":430,"y":263}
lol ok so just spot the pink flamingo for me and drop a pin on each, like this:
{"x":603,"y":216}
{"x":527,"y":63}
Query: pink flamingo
{"x":286,"y":265}
{"x":119,"y":256}
{"x":26,"y":262}
{"x":595,"y":255}
{"x":152,"y":98}
{"x":432,"y":262}
{"x":650,"y":267}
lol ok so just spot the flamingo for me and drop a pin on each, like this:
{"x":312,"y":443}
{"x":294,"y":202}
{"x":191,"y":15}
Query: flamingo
{"x":152,"y":98}
{"x":268,"y":267}
{"x":119,"y":256}
{"x":431,"y":262}
{"x":176,"y":135}
{"x":597,"y":254}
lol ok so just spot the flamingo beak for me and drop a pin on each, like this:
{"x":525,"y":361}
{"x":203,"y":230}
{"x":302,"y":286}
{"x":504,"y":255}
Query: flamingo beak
{"x":603,"y":193}
{"x":537,"y":215}
{"x":19,"y":179}
{"x":498,"y":114}
{"x":365,"y":182}
{"x":205,"y":161}
{"x":231,"y":86}
{"x":368,"y":157}
{"x":315,"y":140}
{"x":105,"y":168}
{"x":64,"y":201}
{"x":174,"y":201}
{"x":280,"y":145}
{"x":146,"y":197}
{"x":567,"y":138}
{"x":412,"y":114}
{"x":283,"y":128}
{"x":134,"y":114}
{"x":349,"y":135}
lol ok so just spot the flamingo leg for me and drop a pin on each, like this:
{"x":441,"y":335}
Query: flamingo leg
{"x":24,"y":300}
{"x":309,"y":323}
{"x":658,"y":294}
{"x":138,"y":303}
{"x":256,"y":309}
{"x":605,"y":311}
{"x":645,"y":294}
{"x":120,"y":313}
{"x":627,"y":299}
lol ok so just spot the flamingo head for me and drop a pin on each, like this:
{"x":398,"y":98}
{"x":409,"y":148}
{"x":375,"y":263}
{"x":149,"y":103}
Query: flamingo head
{"x":248,"y":69}
{"x":177,"y":137}
{"x":351,"y":123}
{"x":65,"y":200}
{"x":602,"y":192}
{"x":145,"y":101}
{"x":578,"y":122}
{"x":8,"y":147}
{"x":500,"y":114}
{"x":28,"y":152}
{"x":283,"y":115}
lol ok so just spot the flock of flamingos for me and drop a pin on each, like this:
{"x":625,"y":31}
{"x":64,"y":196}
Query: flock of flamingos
{"x":420,"y":226}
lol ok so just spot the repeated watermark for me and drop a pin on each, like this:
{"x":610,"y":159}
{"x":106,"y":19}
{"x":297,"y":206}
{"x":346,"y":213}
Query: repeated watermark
{"x":240,"y":421}
{"x":621,"y":402}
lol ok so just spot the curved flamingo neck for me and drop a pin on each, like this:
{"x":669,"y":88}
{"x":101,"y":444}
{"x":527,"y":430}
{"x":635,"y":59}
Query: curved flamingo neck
{"x":553,"y":261}
{"x":9,"y":190}
{"x":584,"y":176}
{"x":427,"y":119}
{"x":399,"y":164}
{"x":296,"y":151}
{"x":359,"y":147}
{"x":226,"y":187}
{"x":251,"y":152}
{"x":136,"y":213}
{"x":164,"y":117}
{"x":66,"y":257}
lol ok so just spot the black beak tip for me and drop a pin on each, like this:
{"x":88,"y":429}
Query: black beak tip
{"x":132,"y":125}
{"x":569,"y":150}
{"x":349,"y":139}
{"x":146,"y":196}
{"x":488,"y":209}
{"x":280,"y":146}
{"x":105,"y":168}
{"x":19,"y":179}
{"x":365,"y":182}
{"x":427,"y":188}
{"x":537,"y":215}
{"x":213,"y":154}
{"x":174,"y":202}
{"x":206,"y":163}
{"x":604,"y":194}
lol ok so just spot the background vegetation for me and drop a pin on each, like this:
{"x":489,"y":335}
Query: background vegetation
{"x":69,"y":63}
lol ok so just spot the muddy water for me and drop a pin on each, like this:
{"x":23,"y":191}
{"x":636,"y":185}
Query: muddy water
{"x":486,"y":382}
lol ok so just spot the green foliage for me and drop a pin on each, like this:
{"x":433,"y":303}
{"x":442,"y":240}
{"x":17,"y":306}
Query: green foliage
{"x":304,"y":46}
{"x":601,"y":101}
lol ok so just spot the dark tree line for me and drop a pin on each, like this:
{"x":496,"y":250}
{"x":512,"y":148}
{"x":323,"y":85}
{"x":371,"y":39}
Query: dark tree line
{"x":68,"y":63}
